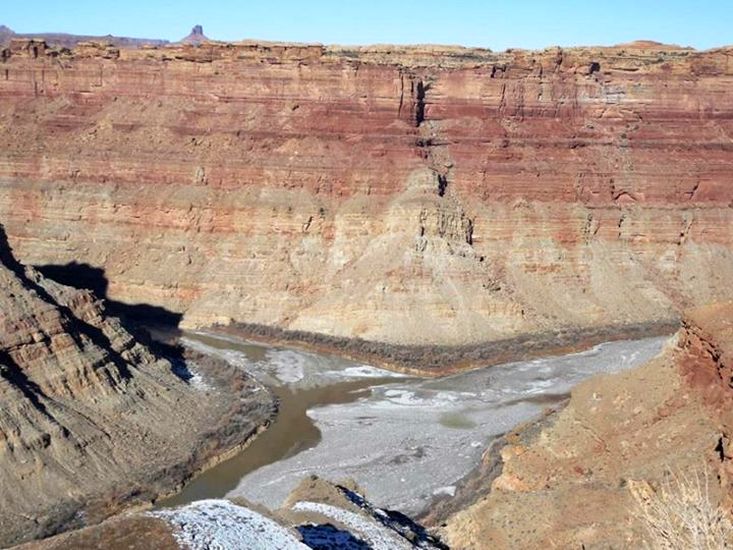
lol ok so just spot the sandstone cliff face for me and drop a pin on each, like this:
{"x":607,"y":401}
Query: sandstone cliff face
{"x":571,"y":484}
{"x":90,"y":419}
{"x":410,"y":195}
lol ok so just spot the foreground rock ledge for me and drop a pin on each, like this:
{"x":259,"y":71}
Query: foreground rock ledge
{"x":90,"y":420}
{"x":318,"y":514}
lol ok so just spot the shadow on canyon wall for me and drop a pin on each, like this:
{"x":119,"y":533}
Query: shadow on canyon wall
{"x":88,"y":277}
{"x":153,"y":326}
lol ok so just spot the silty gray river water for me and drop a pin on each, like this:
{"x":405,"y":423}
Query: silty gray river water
{"x":405,"y":440}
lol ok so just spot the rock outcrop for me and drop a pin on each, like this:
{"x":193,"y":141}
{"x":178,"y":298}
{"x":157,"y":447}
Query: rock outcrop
{"x":196,"y":36}
{"x":408,"y":195}
{"x":570,"y":480}
{"x":91,"y":420}
{"x":318,"y":515}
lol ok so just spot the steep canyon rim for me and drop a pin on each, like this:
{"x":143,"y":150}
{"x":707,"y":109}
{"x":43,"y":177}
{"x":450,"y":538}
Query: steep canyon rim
{"x":424,"y":195}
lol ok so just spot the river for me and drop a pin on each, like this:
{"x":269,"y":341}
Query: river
{"x":404,"y":440}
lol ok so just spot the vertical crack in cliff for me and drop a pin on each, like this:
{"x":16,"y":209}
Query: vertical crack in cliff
{"x":432,"y":149}
{"x":402,"y":95}
{"x":621,"y":222}
{"x":498,"y":71}
{"x":442,"y":184}
{"x":436,"y":154}
{"x":420,"y":89}
{"x":415,"y":115}
{"x":685,"y":231}
{"x":307,"y":224}
{"x":590,"y":228}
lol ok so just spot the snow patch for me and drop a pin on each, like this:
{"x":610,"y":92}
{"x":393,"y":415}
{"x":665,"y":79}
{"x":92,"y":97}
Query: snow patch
{"x":286,"y":365}
{"x":222,"y":525}
{"x":198,"y":382}
{"x":367,"y":371}
{"x":449,"y":490}
{"x":233,"y":357}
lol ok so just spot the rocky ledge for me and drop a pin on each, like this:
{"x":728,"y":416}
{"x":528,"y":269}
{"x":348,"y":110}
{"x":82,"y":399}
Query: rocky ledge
{"x":92,"y":421}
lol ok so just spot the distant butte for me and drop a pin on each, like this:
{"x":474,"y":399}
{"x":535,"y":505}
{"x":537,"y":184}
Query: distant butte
{"x":196,"y":36}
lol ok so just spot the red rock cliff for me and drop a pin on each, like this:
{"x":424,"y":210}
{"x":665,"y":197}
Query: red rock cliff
{"x":440,"y":195}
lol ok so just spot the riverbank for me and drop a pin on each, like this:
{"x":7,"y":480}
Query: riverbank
{"x":328,"y":381}
{"x":435,"y":361}
{"x":232,"y":410}
{"x":234,"y":430}
{"x":292,"y":431}
{"x":477,"y":483}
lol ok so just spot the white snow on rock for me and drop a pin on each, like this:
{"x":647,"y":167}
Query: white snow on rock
{"x":449,"y":490}
{"x":375,"y":535}
{"x":366,"y":371}
{"x":288,"y":366}
{"x":222,"y":525}
{"x":233,"y":357}
{"x":198,"y":381}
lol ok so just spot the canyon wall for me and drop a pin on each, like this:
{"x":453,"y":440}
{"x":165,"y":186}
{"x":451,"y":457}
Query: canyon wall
{"x":408,"y":195}
{"x":90,"y":419}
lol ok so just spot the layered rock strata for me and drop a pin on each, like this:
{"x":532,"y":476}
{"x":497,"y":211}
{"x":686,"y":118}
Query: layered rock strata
{"x":571,"y":480}
{"x":406,"y":195}
{"x":91,"y":420}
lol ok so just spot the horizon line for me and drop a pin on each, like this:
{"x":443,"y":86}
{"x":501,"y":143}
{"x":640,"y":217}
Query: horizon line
{"x":167,"y":41}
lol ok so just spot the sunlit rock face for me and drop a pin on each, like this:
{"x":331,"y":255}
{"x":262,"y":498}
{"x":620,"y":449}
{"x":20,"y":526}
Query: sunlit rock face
{"x":410,"y":195}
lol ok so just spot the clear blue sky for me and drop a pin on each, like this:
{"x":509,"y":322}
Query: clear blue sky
{"x":494,"y":24}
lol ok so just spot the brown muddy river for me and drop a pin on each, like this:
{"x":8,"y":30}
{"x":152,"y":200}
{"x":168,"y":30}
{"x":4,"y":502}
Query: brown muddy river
{"x":291,"y":432}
